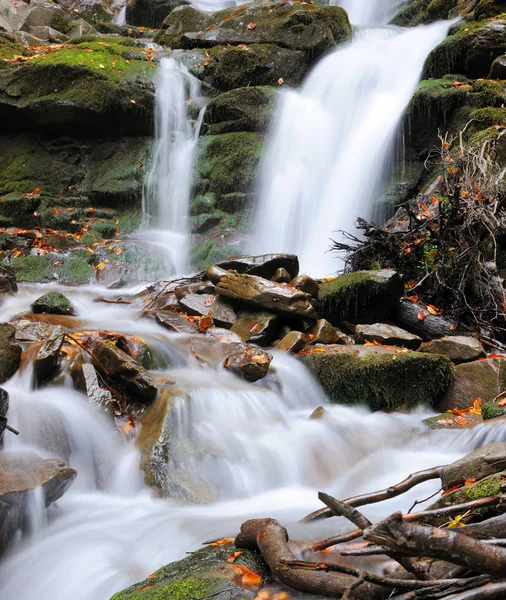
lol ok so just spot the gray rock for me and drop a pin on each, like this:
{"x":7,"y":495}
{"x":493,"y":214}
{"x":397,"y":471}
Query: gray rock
{"x":33,"y":331}
{"x":201,"y":287}
{"x":276,"y":297}
{"x":281,"y":276}
{"x":306,"y":284}
{"x":48,"y":34}
{"x":257,"y":327}
{"x":47,"y":358}
{"x":175,"y":322}
{"x":293,"y":342}
{"x":498,"y":69}
{"x":249,"y":363}
{"x":10,"y":352}
{"x":209,"y":305}
{"x":53,"y":303}
{"x":323,"y":333}
{"x":458,"y":348}
{"x":264,"y":265}
{"x":389,"y":335}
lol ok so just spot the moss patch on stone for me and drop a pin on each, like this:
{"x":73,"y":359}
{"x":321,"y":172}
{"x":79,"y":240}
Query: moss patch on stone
{"x":423,"y":11}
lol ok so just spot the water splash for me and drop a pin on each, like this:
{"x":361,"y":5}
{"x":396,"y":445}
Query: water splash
{"x":332,"y":141}
{"x":369,"y":12}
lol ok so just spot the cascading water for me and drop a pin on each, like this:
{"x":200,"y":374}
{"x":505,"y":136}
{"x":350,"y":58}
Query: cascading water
{"x":332,"y":142}
{"x":167,"y":187}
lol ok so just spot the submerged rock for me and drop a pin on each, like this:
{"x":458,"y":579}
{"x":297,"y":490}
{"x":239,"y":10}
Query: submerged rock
{"x":175,"y":322}
{"x":10,"y":352}
{"x":53,"y":303}
{"x":458,"y":348}
{"x":389,"y":335}
{"x":382,"y":379}
{"x":257,"y":327}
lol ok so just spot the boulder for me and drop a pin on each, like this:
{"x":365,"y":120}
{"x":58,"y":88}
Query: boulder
{"x":483,"y":379}
{"x":311,"y":29}
{"x":322,"y":332}
{"x":417,"y":12}
{"x":47,"y":358}
{"x":382,"y":379}
{"x":281,"y":276}
{"x":215,"y":273}
{"x":8,"y":285}
{"x":201,"y":287}
{"x":135,"y":347}
{"x":210,"y":305}
{"x":12,"y":14}
{"x":121,"y":368}
{"x":276,"y":297}
{"x":248,"y":363}
{"x":204,"y":573}
{"x":458,"y":348}
{"x":306,"y":284}
{"x":360,"y":297}
{"x":256,"y":327}
{"x":264,"y":265}
{"x":479,"y":464}
{"x":175,"y":322}
{"x":97,"y":395}
{"x":150,"y":13}
{"x":10,"y":352}
{"x":293,"y":342}
{"x":224,"y":335}
{"x":53,"y":303}
{"x":389,"y":335}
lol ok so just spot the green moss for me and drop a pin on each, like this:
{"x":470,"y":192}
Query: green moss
{"x":382,"y":380}
{"x":491,"y":410}
{"x":423,"y":11}
{"x":208,"y":253}
{"x":75,"y":271}
{"x":42,"y":269}
{"x":53,"y":303}
{"x":490,"y":486}
{"x":61,"y":22}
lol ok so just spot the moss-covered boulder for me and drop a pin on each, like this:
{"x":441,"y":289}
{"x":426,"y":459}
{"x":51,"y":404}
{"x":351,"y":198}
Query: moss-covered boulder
{"x":492,"y":410}
{"x":44,"y":269}
{"x":103,"y":84}
{"x":203,"y":573}
{"x":470,"y":51}
{"x":242,"y":109}
{"x":53,"y":303}
{"x":150,"y":13}
{"x":379,"y":378}
{"x":311,"y":29}
{"x":423,"y":11}
{"x":360,"y":297}
{"x":229,"y":67}
{"x":10,"y":352}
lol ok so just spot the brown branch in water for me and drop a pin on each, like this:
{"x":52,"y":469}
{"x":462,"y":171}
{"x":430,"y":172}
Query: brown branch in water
{"x":83,"y":347}
{"x":445,"y":592}
{"x":110,"y":301}
{"x":444,"y":544}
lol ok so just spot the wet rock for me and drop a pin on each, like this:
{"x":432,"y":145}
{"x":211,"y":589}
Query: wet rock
{"x":10,"y":352}
{"x":121,"y":368}
{"x":293,"y":342}
{"x":20,"y":474}
{"x":224,"y":335}
{"x":458,"y":348}
{"x":257,"y":291}
{"x":360,"y":297}
{"x":479,"y":464}
{"x":256,"y":327}
{"x":30,"y":331}
{"x":249,"y":363}
{"x":53,"y":303}
{"x":97,"y":396}
{"x":47,"y":358}
{"x":323,"y":333}
{"x":419,"y":321}
{"x":310,"y":29}
{"x":8,"y":285}
{"x":215,"y":273}
{"x":137,"y":348}
{"x":491,"y":410}
{"x":209,"y":305}
{"x":306,"y":284}
{"x":281,"y":276}
{"x":483,"y":379}
{"x":201,"y":287}
{"x":175,"y":322}
{"x":264,"y":265}
{"x":205,"y":572}
{"x":382,"y":379}
{"x":389,"y":335}
{"x":498,"y":68}
{"x":447,"y":421}
{"x":150,"y":13}
{"x":4,"y":407}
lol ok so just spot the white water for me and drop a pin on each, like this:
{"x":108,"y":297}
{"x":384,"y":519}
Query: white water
{"x":370,"y":12}
{"x":167,"y":187}
{"x":332,"y":141}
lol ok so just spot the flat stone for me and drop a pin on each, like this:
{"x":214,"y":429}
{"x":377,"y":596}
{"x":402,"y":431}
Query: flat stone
{"x":293,"y":342}
{"x":323,"y":333}
{"x":46,"y":360}
{"x":389,"y":335}
{"x":201,"y":287}
{"x":30,"y":331}
{"x":97,"y":396}
{"x":210,"y":305}
{"x":256,"y":327}
{"x":175,"y":322}
{"x":276,"y":297}
{"x":223,"y":335}
{"x":458,"y":348}
{"x":264,"y":265}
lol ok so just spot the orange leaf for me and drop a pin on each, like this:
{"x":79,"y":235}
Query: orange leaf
{"x":101,"y":266}
{"x":280,"y":81}
{"x":452,"y":489}
{"x":469,"y":481}
{"x":433,"y":310}
{"x":148,"y":587}
{"x":252,"y":25}
{"x":421,"y":315}
{"x":222,"y":542}
{"x":251,"y":579}
{"x":234,"y":556}
{"x":461,"y":421}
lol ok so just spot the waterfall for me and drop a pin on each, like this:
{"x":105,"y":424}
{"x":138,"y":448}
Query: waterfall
{"x":370,"y":12}
{"x":331,"y":142}
{"x":166,"y":193}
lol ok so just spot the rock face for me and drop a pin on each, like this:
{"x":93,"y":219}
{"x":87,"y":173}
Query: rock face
{"x":381,"y":379}
{"x":10,"y":352}
{"x":256,"y":327}
{"x":46,"y":360}
{"x":260,"y":292}
{"x":209,"y":305}
{"x":458,"y":348}
{"x":483,"y":379}
{"x":53,"y":303}
{"x":361,"y":297}
{"x":150,"y":13}
{"x":389,"y":335}
{"x":264,"y":265}
{"x":203,"y":573}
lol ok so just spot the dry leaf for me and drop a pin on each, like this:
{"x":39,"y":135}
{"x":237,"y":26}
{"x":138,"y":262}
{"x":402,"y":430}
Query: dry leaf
{"x":251,"y":579}
{"x":252,"y":25}
{"x":234,"y":556}
{"x":222,"y":542}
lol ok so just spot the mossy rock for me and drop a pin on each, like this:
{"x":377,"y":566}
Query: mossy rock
{"x":491,"y":410}
{"x":470,"y":51}
{"x":379,"y":378}
{"x":150,"y":13}
{"x":228,"y":67}
{"x":53,"y":303}
{"x":311,"y":29}
{"x":423,"y":11}
{"x":242,"y":109}
{"x":43,"y":269}
{"x":10,"y":352}
{"x":360,"y":297}
{"x":84,"y":87}
{"x":226,"y":164}
{"x":202,"y":573}
{"x":208,"y":253}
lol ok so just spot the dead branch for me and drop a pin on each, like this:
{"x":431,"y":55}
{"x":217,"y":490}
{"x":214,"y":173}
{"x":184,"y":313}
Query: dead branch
{"x":490,"y":591}
{"x":110,"y":301}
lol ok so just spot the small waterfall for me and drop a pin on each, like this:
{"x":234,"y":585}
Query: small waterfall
{"x":331,"y":142}
{"x":370,"y":12}
{"x":167,"y":187}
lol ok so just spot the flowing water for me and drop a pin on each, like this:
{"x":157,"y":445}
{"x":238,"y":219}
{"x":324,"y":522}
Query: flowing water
{"x":332,"y":142}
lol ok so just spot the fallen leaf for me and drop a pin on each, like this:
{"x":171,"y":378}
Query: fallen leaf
{"x":421,"y":315}
{"x":456,"y":522}
{"x":450,"y":490}
{"x":461,"y":421}
{"x":445,"y":422}
{"x":133,"y":102}
{"x":222,"y":542}
{"x":101,"y":66}
{"x":254,"y":328}
{"x":252,"y":25}
{"x":234,"y":556}
{"x":280,"y":81}
{"x":469,"y":481}
{"x":251,"y":579}
{"x":148,"y":587}
{"x":101,"y":266}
